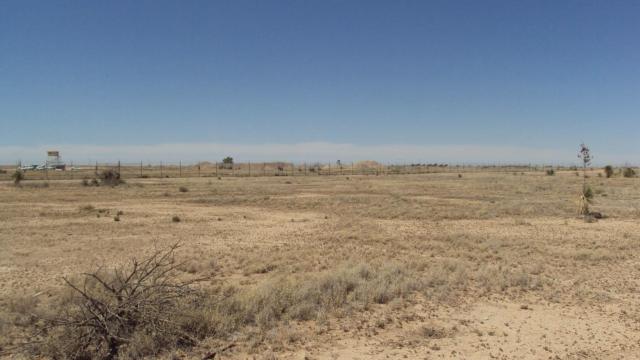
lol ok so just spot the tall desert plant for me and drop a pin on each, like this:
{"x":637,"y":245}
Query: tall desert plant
{"x":586,"y":196}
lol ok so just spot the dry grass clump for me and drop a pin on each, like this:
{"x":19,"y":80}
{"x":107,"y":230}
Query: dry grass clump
{"x":608,"y":171}
{"x":440,"y":280}
{"x":110,"y":178}
{"x":87,"y":182}
{"x":433,"y":331}
{"x":106,"y":177}
{"x":130,"y":312}
{"x":494,"y":278}
{"x":628,"y":172}
{"x":310,"y":297}
{"x":87,"y":208}
{"x":17,"y":177}
{"x":18,"y":315}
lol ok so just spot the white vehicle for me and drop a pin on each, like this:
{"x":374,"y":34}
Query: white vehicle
{"x":28,"y":167}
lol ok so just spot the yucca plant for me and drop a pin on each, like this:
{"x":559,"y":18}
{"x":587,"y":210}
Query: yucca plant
{"x":586,"y":197}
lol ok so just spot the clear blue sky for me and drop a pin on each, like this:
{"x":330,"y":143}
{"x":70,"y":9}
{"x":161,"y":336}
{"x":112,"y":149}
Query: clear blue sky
{"x":536,"y":74}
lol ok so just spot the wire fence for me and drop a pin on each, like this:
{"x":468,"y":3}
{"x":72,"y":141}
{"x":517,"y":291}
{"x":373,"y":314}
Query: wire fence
{"x":206,"y":169}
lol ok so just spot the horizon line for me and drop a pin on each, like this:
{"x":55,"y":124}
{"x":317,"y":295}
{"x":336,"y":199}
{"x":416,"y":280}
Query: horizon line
{"x":309,"y":152}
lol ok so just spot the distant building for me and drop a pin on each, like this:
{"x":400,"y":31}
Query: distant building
{"x":54,"y":160}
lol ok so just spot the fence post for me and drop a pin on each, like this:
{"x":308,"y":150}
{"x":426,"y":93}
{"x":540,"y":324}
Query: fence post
{"x":160,"y":168}
{"x":140,"y":169}
{"x":119,"y":172}
{"x":249,"y":168}
{"x":180,"y":168}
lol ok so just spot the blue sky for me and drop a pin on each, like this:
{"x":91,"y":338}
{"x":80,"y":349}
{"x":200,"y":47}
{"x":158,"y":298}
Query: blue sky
{"x":523,"y":76}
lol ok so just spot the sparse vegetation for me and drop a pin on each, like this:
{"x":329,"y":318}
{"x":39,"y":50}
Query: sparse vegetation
{"x":608,"y":171}
{"x":550,"y":172}
{"x":183,"y":189}
{"x":628,"y":172}
{"x":300,"y":265}
{"x":110,"y":178}
{"x":87,"y":208}
{"x":17,"y":177}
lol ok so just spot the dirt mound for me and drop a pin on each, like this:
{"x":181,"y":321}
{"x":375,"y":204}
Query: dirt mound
{"x":367,"y":164}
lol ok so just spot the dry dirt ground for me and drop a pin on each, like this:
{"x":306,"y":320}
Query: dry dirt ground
{"x":483,"y":266}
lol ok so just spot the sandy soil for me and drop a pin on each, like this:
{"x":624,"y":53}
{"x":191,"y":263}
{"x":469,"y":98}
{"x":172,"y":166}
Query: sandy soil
{"x":525,"y":277}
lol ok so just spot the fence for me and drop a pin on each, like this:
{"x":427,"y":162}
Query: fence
{"x":248,"y":169}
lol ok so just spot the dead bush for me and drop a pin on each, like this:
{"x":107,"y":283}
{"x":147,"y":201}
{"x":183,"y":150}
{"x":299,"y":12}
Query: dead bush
{"x":132,"y":311}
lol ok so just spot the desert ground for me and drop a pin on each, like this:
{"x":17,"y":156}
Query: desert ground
{"x":480,"y":265}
